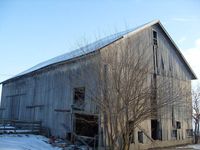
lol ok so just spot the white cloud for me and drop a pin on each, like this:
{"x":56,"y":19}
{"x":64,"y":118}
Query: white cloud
{"x":193,"y":57}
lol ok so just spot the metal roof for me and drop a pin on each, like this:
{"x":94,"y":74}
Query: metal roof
{"x":93,"y":47}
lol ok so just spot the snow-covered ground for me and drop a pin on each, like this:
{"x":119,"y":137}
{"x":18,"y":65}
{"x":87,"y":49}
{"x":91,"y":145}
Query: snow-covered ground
{"x":194,"y":146}
{"x":24,"y":142}
{"x":37,"y":142}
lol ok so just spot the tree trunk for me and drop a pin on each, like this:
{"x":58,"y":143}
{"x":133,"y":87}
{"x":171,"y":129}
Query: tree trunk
{"x":196,"y":131}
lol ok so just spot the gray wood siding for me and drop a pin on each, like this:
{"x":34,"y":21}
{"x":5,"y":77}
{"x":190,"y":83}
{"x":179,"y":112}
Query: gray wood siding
{"x":54,"y":90}
{"x":169,"y":62}
{"x":53,"y":87}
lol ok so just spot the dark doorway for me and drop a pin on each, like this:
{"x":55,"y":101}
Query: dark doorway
{"x":140,"y":137}
{"x":86,"y":125}
{"x":155,"y":131}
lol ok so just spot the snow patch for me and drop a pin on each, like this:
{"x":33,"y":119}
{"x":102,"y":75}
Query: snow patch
{"x":25,"y":142}
{"x":194,"y":146}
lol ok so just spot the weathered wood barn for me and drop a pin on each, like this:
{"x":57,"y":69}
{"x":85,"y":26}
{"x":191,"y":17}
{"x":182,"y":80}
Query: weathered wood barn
{"x":51,"y":92}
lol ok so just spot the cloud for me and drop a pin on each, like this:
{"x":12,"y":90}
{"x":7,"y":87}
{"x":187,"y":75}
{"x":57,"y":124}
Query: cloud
{"x":192,"y":55}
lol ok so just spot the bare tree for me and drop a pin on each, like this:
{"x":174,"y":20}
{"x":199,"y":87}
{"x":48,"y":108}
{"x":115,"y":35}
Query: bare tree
{"x":132,"y":91}
{"x":128,"y":89}
{"x":196,"y":112}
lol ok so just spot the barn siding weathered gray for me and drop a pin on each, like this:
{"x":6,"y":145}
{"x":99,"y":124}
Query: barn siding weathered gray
{"x":38,"y":94}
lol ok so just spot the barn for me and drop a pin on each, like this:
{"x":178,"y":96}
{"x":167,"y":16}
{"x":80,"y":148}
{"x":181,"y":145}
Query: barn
{"x":52,"y":93}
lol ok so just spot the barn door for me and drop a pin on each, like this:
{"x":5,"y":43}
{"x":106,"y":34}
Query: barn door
{"x":14,"y":107}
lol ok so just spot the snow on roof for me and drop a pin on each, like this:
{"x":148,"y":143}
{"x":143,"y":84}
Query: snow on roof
{"x":78,"y":52}
{"x":83,"y":50}
{"x":96,"y":46}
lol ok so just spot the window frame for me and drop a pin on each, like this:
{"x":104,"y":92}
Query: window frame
{"x":155,"y":39}
{"x":81,"y":99}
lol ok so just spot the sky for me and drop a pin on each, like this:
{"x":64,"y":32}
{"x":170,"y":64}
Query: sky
{"x":35,"y":30}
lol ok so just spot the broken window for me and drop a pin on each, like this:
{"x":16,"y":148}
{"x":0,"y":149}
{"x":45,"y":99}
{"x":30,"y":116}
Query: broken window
{"x":79,"y":96}
{"x":140,"y":136}
{"x":155,"y":36}
{"x":155,"y":52}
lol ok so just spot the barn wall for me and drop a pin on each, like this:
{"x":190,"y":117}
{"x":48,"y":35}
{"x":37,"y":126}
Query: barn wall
{"x":169,"y":62}
{"x":171,"y":70}
{"x":177,"y":79}
{"x":53,"y":88}
{"x":49,"y":90}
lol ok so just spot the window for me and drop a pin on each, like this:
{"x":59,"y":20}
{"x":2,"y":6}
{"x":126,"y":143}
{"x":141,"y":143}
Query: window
{"x":174,"y":133}
{"x":140,"y":136}
{"x":189,"y":132}
{"x":155,"y":52}
{"x":79,"y":96}
{"x":178,"y":124}
{"x":155,"y":38}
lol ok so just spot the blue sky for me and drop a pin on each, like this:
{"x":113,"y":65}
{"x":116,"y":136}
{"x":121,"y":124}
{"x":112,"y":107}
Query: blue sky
{"x":36,"y":30}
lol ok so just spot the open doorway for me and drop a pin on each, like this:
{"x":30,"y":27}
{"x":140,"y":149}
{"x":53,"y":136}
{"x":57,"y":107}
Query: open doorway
{"x":86,"y":129}
{"x":155,"y":130}
{"x":86,"y":125}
